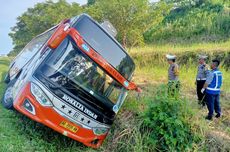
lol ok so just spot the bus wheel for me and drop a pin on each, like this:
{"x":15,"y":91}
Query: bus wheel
{"x":7,"y":100}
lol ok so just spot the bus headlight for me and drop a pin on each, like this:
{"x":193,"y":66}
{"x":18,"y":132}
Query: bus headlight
{"x":40,"y":95}
{"x":100,"y":131}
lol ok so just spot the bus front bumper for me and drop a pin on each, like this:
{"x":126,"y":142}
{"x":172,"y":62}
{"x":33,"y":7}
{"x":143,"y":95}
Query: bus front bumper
{"x":49,"y":117}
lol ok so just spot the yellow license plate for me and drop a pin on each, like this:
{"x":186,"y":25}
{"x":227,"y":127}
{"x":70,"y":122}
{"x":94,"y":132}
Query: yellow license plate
{"x":68,"y":126}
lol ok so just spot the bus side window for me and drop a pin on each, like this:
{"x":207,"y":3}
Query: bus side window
{"x":33,"y":47}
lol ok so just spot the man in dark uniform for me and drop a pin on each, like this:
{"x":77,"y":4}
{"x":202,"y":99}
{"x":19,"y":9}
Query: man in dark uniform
{"x":202,"y":73}
{"x":173,"y":76}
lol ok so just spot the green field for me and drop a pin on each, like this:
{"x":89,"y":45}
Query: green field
{"x":150,"y":121}
{"x":18,"y":133}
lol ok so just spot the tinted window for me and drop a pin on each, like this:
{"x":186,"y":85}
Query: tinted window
{"x":104,"y":45}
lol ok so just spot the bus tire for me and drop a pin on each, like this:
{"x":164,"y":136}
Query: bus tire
{"x":7,"y":100}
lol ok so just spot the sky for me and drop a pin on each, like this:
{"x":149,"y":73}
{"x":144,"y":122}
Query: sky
{"x":9,"y":11}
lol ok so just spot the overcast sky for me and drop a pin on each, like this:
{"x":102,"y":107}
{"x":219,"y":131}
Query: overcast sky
{"x":9,"y":11}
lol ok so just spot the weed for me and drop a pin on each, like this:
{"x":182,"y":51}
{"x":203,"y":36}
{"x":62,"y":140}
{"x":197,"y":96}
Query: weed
{"x":169,"y":122}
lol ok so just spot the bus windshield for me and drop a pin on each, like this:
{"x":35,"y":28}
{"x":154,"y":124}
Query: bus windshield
{"x":69,"y":67}
{"x":105,"y":45}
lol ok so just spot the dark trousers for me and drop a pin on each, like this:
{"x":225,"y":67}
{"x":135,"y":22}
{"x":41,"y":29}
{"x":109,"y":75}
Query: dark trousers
{"x":213,"y":103}
{"x":199,"y":86}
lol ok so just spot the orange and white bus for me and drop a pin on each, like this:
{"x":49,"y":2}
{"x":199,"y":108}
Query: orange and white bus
{"x":72,"y":78}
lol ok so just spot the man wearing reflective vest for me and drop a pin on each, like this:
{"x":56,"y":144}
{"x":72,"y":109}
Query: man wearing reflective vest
{"x":212,"y":89}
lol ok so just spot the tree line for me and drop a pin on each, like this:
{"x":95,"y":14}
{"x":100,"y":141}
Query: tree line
{"x":193,"y":21}
{"x":137,"y":21}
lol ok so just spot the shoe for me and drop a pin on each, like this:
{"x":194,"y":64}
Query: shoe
{"x":208,"y":117}
{"x":218,"y":115}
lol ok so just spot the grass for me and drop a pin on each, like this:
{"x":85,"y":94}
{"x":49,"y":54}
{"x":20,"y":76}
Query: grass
{"x":154,"y":75}
{"x":152,"y":70}
{"x":18,"y":133}
{"x":170,"y":48}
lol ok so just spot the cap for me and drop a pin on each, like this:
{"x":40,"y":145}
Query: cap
{"x":202,"y":56}
{"x":216,"y":61}
{"x":170,"y":57}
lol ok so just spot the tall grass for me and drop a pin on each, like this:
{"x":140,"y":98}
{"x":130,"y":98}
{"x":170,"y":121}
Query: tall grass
{"x":170,"y":48}
{"x":158,"y":74}
{"x":152,"y":66}
{"x":127,"y":134}
{"x":152,"y":70}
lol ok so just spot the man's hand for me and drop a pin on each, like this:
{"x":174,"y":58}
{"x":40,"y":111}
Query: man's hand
{"x":139,"y":90}
{"x":202,"y":90}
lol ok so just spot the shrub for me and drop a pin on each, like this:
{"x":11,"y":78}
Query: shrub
{"x":169,"y":122}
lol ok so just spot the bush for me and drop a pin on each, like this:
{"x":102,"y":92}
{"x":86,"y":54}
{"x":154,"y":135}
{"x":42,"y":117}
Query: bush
{"x":169,"y":122}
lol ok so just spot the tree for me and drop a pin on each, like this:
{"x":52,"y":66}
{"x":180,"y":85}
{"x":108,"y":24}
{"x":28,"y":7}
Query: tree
{"x":91,"y":2}
{"x":38,"y":19}
{"x":131,"y":18}
{"x":186,"y":3}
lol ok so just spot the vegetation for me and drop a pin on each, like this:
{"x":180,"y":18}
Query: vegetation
{"x":130,"y":18}
{"x":151,"y":121}
{"x":137,"y":21}
{"x":38,"y":19}
{"x":193,"y":21}
{"x":169,"y":123}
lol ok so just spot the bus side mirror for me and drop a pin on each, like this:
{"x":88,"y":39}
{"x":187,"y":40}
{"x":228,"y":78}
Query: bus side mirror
{"x":59,"y":35}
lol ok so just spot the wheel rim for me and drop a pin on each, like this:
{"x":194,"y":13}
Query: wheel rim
{"x":8,"y":95}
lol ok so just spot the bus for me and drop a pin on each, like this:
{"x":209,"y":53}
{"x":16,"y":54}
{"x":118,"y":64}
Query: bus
{"x":72,"y":78}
